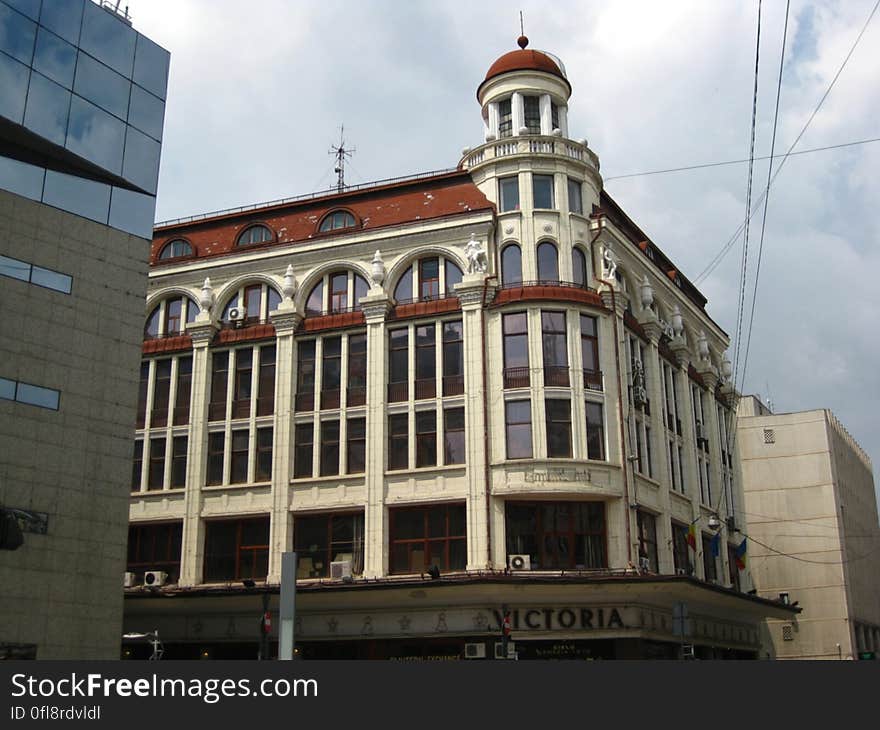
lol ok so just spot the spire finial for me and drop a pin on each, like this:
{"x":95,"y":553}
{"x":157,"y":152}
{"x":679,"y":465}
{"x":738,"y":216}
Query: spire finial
{"x":522,"y":41}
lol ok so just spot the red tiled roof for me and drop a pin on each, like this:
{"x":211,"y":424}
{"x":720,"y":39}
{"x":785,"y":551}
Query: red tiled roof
{"x":382,"y":206}
{"x":523,"y":60}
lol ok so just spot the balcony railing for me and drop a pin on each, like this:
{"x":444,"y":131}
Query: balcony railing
{"x":516,"y":378}
{"x":556,"y":376}
{"x":398,"y":392}
{"x":593,"y":380}
{"x":356,"y":396}
{"x":304,"y":401}
{"x":530,"y":144}
{"x":426,"y":388}
{"x":330,"y":399}
{"x":453,"y":384}
{"x":546,"y":282}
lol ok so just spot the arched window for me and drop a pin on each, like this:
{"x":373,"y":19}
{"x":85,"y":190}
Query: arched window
{"x":170,"y":317}
{"x":579,"y":267}
{"x":511,"y":264}
{"x":254,"y":234}
{"x":453,"y":276}
{"x":336,"y":220}
{"x":175,"y":249}
{"x":403,"y":290}
{"x":437,"y":277}
{"x":548,"y":263}
{"x":253,"y":302}
{"x":343,"y":289}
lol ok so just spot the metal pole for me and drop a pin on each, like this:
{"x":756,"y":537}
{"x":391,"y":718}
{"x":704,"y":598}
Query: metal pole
{"x":264,"y":631}
{"x":287,"y":608}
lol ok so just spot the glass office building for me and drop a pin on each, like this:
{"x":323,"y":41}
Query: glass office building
{"x":82,"y":103}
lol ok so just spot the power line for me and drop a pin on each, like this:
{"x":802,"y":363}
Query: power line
{"x":705,"y":165}
{"x":807,"y":560}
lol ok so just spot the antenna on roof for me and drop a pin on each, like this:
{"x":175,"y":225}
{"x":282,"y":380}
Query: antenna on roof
{"x":341,"y":152}
{"x":521,"y":30}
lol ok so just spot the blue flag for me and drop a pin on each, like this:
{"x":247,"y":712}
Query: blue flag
{"x":715,"y":544}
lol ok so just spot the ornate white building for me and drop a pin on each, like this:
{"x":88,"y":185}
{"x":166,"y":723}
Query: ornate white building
{"x":490,"y":374}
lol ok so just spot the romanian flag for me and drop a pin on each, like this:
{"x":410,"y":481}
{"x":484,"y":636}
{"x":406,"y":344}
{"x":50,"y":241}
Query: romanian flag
{"x":692,"y":536}
{"x":740,"y":554}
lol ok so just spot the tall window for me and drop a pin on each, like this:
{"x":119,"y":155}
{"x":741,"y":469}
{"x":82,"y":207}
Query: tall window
{"x":398,"y":441}
{"x":505,"y":118}
{"x":305,"y":375}
{"x":331,"y":293}
{"x":680,"y":555}
{"x":137,"y":465}
{"x":241,"y":393}
{"x":220,"y":372}
{"x":331,"y":372}
{"x":155,"y":547}
{"x":238,"y":471}
{"x":532,"y":114}
{"x":424,"y":536}
{"x":518,"y":429}
{"x":509,"y":193}
{"x":184,"y":391}
{"x":453,"y":436}
{"x":356,"y":446}
{"x":542,"y":191}
{"x":303,"y":450}
{"x":515,"y":331}
{"x":579,"y":267}
{"x":426,"y":438}
{"x":710,"y":563}
{"x":322,"y":539}
{"x":329,"y":448}
{"x":558,"y":414}
{"x":255,"y":299}
{"x":426,"y":362}
{"x":173,"y":315}
{"x":216,"y":443}
{"x":548,"y":263}
{"x":178,"y":462}
{"x":511,"y":264}
{"x":237,"y":549}
{"x":263,"y":472}
{"x":357,"y":370}
{"x":403,"y":291}
{"x":143,"y":389}
{"x":161,"y":393}
{"x":647,"y":526}
{"x":554,"y":342}
{"x":266,"y":382}
{"x":398,"y":370}
{"x":170,"y":316}
{"x":575,"y":199}
{"x":453,"y":358}
{"x":429,"y":278}
{"x":557,"y":535}
{"x":157,"y":464}
{"x":453,"y":276}
{"x":338,"y":292}
{"x":595,"y":431}
{"x":590,"y":352}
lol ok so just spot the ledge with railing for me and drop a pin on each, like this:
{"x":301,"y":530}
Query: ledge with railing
{"x":594,"y":380}
{"x":328,"y":319}
{"x":532,"y":144}
{"x":426,"y":305}
{"x":166,"y":342}
{"x":556,"y":376}
{"x":516,"y":377}
{"x":249,"y":328}
{"x":554,"y":289}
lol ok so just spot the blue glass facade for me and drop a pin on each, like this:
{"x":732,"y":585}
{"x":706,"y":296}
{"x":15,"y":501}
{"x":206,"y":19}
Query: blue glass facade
{"x":83,"y":96}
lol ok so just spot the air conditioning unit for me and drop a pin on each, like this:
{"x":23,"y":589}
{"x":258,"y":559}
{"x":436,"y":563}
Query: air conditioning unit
{"x":128,"y":580}
{"x":640,"y":395}
{"x":474,"y":650}
{"x":340,"y":569}
{"x":237,"y":314}
{"x":155,"y":578}
{"x":499,"y":650}
{"x":519,"y":562}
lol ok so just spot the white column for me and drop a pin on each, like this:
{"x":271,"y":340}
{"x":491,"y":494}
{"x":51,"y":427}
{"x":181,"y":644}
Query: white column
{"x":493,"y":118}
{"x":517,"y":112}
{"x":546,"y":117}
{"x":563,"y":120}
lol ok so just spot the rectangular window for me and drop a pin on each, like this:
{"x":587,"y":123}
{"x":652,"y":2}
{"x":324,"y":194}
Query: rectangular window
{"x":178,"y":462}
{"x":331,"y":372}
{"x":710,"y":567}
{"x":424,"y":536}
{"x":518,"y":427}
{"x":305,"y":375}
{"x":329,"y":448}
{"x":241,"y":390}
{"x":542,"y":191}
{"x":575,"y":199}
{"x":554,"y":344}
{"x":515,"y":331}
{"x":252,"y":297}
{"x":184,"y":390}
{"x":322,"y":539}
{"x":398,"y":365}
{"x":217,"y":409}
{"x":532,"y":114}
{"x":156,"y":478}
{"x":508,"y":188}
{"x":595,"y":431}
{"x":155,"y":547}
{"x":266,"y":382}
{"x":137,"y":466}
{"x":558,"y":413}
{"x":264,"y":455}
{"x":357,"y":370}
{"x":398,"y":441}
{"x":216,"y":446}
{"x":356,"y":446}
{"x":339,"y":292}
{"x":429,"y":278}
{"x":173,"y":311}
{"x":680,"y":556}
{"x":647,"y":527}
{"x":143,"y":389}
{"x":32,"y":395}
{"x":426,"y":362}
{"x":237,"y":549}
{"x":161,"y":393}
{"x":426,"y":438}
{"x":239,"y":456}
{"x":303,"y":455}
{"x":505,"y":118}
{"x":453,"y":436}
{"x":648,"y":454}
{"x":590,"y":352}
{"x":453,"y":358}
{"x":557,"y":535}
{"x":46,"y":278}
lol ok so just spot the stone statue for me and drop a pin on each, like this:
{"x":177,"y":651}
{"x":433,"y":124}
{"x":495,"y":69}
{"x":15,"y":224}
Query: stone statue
{"x":476,"y":256}
{"x":610,"y":263}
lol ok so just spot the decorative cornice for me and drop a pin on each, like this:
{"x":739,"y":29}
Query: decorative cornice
{"x":202,"y":333}
{"x":651,"y":325}
{"x":285,"y":319}
{"x":375,"y":307}
{"x":618,"y":298}
{"x":470,"y":291}
{"x":679,"y":348}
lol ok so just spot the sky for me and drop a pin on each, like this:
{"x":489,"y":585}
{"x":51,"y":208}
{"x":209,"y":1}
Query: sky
{"x":258,"y":91}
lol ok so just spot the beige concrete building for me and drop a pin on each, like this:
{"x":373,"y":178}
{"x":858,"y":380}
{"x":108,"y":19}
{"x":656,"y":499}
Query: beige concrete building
{"x":489,"y":373}
{"x":81,"y":114}
{"x":812,"y":520}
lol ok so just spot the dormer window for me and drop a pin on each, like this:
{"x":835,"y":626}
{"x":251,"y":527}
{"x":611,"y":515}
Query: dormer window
{"x":337,"y":220}
{"x":175,"y":249}
{"x":532,"y":114}
{"x":254,"y":234}
{"x":505,"y":119}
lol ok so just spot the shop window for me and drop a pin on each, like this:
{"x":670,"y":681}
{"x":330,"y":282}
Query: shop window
{"x":421,"y":537}
{"x":557,"y":535}
{"x":326,"y":538}
{"x":237,"y":549}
